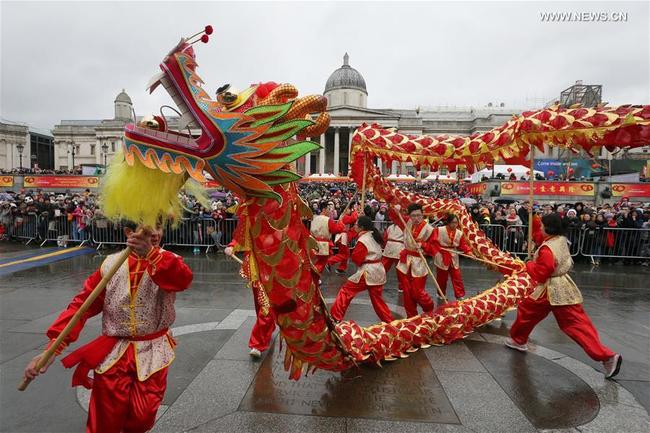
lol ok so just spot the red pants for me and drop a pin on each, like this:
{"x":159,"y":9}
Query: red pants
{"x":349,"y":290}
{"x":572,"y":319}
{"x":415,"y":294}
{"x":456,"y":281}
{"x":341,"y":257}
{"x":262,"y":332}
{"x":120,"y":403}
{"x":388,"y":263}
{"x":320,"y":262}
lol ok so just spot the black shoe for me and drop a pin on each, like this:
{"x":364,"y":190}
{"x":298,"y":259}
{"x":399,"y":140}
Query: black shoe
{"x":340,"y":272}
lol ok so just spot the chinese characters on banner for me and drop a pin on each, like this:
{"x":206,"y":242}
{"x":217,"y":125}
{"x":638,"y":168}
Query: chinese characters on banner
{"x":61,"y":182}
{"x":477,"y":188}
{"x":631,"y":189}
{"x":549,"y":188}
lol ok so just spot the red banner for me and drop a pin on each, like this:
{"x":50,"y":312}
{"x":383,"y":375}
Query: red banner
{"x":61,"y":182}
{"x":6,"y":181}
{"x":549,"y":188}
{"x":477,"y":188}
{"x":631,"y":189}
{"x":211,"y":184}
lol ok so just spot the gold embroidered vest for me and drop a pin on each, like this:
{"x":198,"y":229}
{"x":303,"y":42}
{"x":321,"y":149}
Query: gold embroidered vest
{"x":395,"y":242}
{"x":559,"y":288}
{"x":150,"y":309}
{"x":320,"y":230}
{"x":374,"y":273}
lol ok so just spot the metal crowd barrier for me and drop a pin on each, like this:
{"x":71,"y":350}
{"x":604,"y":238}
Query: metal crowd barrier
{"x":105,"y":232}
{"x":24,"y":227}
{"x":607,"y":242}
{"x":616,"y":242}
{"x":62,"y":231}
{"x":200,"y":233}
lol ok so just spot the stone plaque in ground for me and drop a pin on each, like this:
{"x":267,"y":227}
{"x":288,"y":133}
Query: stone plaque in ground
{"x":407,"y":389}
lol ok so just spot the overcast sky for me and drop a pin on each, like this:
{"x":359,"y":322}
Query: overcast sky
{"x":68,"y":60}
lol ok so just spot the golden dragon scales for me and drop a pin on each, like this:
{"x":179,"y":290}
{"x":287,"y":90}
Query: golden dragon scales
{"x":247,"y":142}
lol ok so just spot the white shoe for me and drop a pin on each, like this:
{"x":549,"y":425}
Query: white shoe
{"x":612,"y":366}
{"x":254,"y":353}
{"x":513,"y":345}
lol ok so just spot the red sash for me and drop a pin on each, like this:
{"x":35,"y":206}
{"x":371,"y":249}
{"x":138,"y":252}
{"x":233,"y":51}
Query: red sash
{"x":89,"y":356}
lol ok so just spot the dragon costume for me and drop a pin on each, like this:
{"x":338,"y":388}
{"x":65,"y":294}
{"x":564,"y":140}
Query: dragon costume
{"x":248,"y":142}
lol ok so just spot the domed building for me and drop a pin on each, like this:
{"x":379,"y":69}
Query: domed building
{"x":346,"y":86}
{"x":347,"y":96}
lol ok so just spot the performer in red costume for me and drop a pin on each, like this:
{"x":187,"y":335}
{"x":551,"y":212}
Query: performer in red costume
{"x":262,"y":332}
{"x":450,"y":237}
{"x":557,"y":293}
{"x":322,"y":228}
{"x":393,"y":246}
{"x":131,"y":357}
{"x":412,"y":269}
{"x":342,"y":241}
{"x":370,"y":274}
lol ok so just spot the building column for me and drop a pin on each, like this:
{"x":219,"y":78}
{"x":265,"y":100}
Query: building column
{"x":393,"y":168}
{"x":307,"y":161}
{"x":98,"y":151}
{"x":321,"y":156}
{"x":381,"y":171}
{"x":336,"y":165}
{"x":350,"y":133}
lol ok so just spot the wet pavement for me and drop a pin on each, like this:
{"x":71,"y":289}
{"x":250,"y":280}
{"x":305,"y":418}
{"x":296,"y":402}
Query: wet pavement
{"x":473,"y":385}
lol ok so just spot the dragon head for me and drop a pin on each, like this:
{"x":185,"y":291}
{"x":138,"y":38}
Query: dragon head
{"x":246,"y":140}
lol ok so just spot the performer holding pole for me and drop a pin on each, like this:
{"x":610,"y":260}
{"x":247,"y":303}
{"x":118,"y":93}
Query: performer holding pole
{"x":446,"y":261}
{"x":412,"y":269}
{"x":262,"y":332}
{"x":394,"y":244}
{"x":557,"y":293}
{"x":370,"y":273}
{"x":131,"y":357}
{"x":322,"y":228}
{"x":342,"y":240}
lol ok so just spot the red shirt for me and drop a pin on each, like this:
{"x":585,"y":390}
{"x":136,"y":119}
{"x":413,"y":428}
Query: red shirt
{"x":543,"y":267}
{"x":166,"y":269}
{"x":359,"y":253}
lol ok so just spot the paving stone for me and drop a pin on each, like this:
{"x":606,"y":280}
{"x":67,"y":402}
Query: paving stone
{"x":215,"y":391}
{"x":453,"y":357}
{"x":549,"y":395}
{"x":481,"y":404}
{"x":271,"y":423}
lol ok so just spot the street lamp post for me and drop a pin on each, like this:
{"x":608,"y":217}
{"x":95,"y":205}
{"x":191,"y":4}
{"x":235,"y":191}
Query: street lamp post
{"x":73,"y":153}
{"x":20,"y":147}
{"x":105,"y":152}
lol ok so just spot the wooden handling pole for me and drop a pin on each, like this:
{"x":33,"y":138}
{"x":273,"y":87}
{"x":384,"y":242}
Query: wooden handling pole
{"x":478,"y":259}
{"x":531,"y":186}
{"x":124,"y":255}
{"x":363,"y":184}
{"x":435,"y":282}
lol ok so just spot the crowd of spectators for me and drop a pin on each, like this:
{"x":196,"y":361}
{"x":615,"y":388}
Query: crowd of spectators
{"x":80,"y":209}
